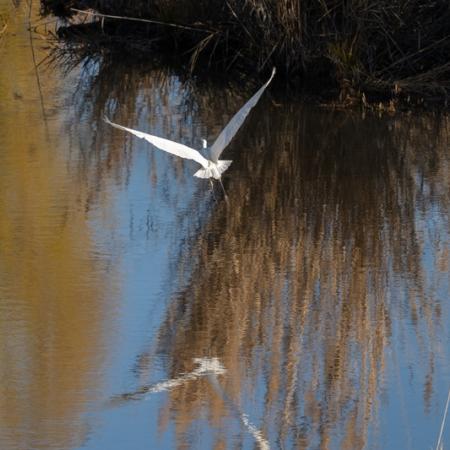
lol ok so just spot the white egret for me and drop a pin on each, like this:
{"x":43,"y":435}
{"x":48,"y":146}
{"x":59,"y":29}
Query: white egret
{"x":212,"y":167}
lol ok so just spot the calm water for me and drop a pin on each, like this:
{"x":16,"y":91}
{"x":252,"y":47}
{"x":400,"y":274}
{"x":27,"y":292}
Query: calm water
{"x":138,"y":310}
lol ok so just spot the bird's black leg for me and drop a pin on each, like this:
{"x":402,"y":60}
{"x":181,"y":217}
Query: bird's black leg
{"x":223,"y":189}
{"x":212,"y":188}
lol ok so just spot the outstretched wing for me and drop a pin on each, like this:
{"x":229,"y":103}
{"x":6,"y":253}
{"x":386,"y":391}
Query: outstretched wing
{"x":164,"y":144}
{"x":235,"y":123}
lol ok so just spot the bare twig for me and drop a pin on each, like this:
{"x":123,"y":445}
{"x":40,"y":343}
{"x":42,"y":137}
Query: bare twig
{"x":371,"y":44}
{"x":198,"y":49}
{"x":412,"y":55}
{"x":137,"y":19}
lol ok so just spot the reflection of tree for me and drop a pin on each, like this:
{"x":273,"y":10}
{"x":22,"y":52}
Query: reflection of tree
{"x":299,"y":279}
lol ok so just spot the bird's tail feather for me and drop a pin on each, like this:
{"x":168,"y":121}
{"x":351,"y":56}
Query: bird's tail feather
{"x":223,"y":165}
{"x":203,"y":173}
{"x":210,"y":172}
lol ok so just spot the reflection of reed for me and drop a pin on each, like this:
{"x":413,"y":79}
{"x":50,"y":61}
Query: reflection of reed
{"x":295,"y":280}
{"x":154,"y":99}
{"x":51,"y":281}
{"x":206,"y":367}
{"x":145,"y":97}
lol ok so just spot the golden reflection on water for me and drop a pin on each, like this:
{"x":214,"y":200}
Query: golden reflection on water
{"x":52,"y":290}
{"x":297,"y":285}
{"x":299,"y":278}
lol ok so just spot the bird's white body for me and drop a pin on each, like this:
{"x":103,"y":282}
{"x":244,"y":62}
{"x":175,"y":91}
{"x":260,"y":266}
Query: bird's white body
{"x":212,"y":167}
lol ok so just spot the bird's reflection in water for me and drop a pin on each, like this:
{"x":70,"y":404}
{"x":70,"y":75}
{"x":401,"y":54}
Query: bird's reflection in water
{"x":210,"y":368}
{"x":205,"y":366}
{"x":300,"y":282}
{"x":299,"y":285}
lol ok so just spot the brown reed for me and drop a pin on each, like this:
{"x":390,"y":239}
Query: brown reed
{"x":380,"y":47}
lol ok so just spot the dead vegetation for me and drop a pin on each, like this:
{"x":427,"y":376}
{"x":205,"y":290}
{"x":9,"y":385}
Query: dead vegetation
{"x":382,"y":48}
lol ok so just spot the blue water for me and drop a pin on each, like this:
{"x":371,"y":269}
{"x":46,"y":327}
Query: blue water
{"x":140,"y":309}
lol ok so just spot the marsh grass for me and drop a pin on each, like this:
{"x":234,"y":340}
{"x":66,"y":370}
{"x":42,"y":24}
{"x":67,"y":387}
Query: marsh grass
{"x":380,"y":47}
{"x":388,"y":48}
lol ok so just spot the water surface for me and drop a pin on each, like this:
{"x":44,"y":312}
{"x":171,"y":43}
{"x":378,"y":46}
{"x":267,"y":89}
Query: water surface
{"x":140,"y":310}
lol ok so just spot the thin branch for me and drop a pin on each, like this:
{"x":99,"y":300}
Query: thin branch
{"x":412,"y":55}
{"x":136,"y":19}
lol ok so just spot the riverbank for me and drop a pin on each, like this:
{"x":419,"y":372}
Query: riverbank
{"x":354,"y":52}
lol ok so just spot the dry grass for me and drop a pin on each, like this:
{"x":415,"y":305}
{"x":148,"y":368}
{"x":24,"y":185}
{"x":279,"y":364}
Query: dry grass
{"x":385,"y":47}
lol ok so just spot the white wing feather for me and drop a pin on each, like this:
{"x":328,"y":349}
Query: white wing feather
{"x":165,"y":144}
{"x":235,"y":123}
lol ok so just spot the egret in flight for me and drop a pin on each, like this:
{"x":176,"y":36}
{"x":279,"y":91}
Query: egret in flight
{"x":212,"y":166}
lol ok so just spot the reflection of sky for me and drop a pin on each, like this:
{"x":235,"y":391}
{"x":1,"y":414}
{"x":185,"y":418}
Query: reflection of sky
{"x":147,"y":226}
{"x":142,"y":240}
{"x":144,"y":244}
{"x":150,"y":223}
{"x":404,"y":421}
{"x":138,"y":229}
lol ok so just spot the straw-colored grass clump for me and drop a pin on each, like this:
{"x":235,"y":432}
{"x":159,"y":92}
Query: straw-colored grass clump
{"x":382,"y":47}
